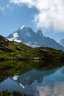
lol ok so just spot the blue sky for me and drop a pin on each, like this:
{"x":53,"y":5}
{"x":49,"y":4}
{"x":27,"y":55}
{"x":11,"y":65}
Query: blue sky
{"x":15,"y":13}
{"x":12,"y":19}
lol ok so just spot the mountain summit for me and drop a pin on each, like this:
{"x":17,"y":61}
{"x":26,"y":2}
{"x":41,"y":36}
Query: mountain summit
{"x":27,"y":36}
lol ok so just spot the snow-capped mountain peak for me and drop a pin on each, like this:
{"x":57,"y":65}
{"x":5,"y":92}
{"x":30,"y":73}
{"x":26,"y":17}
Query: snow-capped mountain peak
{"x":27,"y":36}
{"x":40,"y":32}
{"x":22,"y":27}
{"x":25,"y":28}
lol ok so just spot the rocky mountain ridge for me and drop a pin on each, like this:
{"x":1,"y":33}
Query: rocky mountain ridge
{"x":34,"y":39}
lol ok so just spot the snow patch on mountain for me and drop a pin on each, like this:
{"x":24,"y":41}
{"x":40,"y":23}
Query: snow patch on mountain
{"x":22,"y":27}
{"x":21,"y":85}
{"x":18,"y":40}
{"x":15,"y":35}
{"x":14,"y":39}
{"x":15,"y":77}
{"x":29,"y":43}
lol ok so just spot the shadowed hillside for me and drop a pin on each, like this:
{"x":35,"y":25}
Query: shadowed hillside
{"x":18,"y":51}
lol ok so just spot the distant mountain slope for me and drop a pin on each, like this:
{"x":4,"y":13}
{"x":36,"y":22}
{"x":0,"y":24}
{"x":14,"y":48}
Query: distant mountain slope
{"x":34,"y":39}
{"x":62,"y":42}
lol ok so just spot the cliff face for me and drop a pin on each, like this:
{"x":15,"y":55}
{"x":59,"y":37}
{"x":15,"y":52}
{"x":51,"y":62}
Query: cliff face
{"x":3,"y":41}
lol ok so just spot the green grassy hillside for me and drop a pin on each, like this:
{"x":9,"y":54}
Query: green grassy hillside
{"x":18,"y":51}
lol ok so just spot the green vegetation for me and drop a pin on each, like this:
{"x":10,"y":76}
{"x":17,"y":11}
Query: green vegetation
{"x":18,"y":51}
{"x":6,"y":93}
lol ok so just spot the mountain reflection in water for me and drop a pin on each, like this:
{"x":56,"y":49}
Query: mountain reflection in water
{"x":37,"y":83}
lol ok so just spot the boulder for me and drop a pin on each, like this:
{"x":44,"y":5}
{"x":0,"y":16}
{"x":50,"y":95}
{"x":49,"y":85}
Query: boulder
{"x":18,"y":48}
{"x":46,"y":53}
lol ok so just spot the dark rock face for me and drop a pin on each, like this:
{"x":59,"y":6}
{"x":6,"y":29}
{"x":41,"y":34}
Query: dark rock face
{"x":3,"y":41}
{"x":34,"y":39}
{"x":47,"y":54}
{"x":62,"y":57}
{"x":18,"y":48}
{"x":6,"y":49}
{"x":3,"y":44}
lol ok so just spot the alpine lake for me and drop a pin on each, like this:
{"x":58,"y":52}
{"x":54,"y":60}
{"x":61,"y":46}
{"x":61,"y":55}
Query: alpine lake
{"x":33,"y":78}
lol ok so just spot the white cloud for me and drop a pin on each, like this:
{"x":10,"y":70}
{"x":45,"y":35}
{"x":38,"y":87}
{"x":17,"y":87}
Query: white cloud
{"x":51,"y":12}
{"x":29,"y":3}
{"x":4,"y":5}
{"x":56,"y":90}
{"x":2,"y":8}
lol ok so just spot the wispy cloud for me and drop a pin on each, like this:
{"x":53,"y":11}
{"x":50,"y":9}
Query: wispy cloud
{"x":51,"y":12}
{"x":2,"y":8}
{"x":29,"y":3}
{"x":4,"y":5}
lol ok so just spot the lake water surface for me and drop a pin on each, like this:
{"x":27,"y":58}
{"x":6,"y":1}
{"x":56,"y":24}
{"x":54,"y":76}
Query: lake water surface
{"x":36,"y":82}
